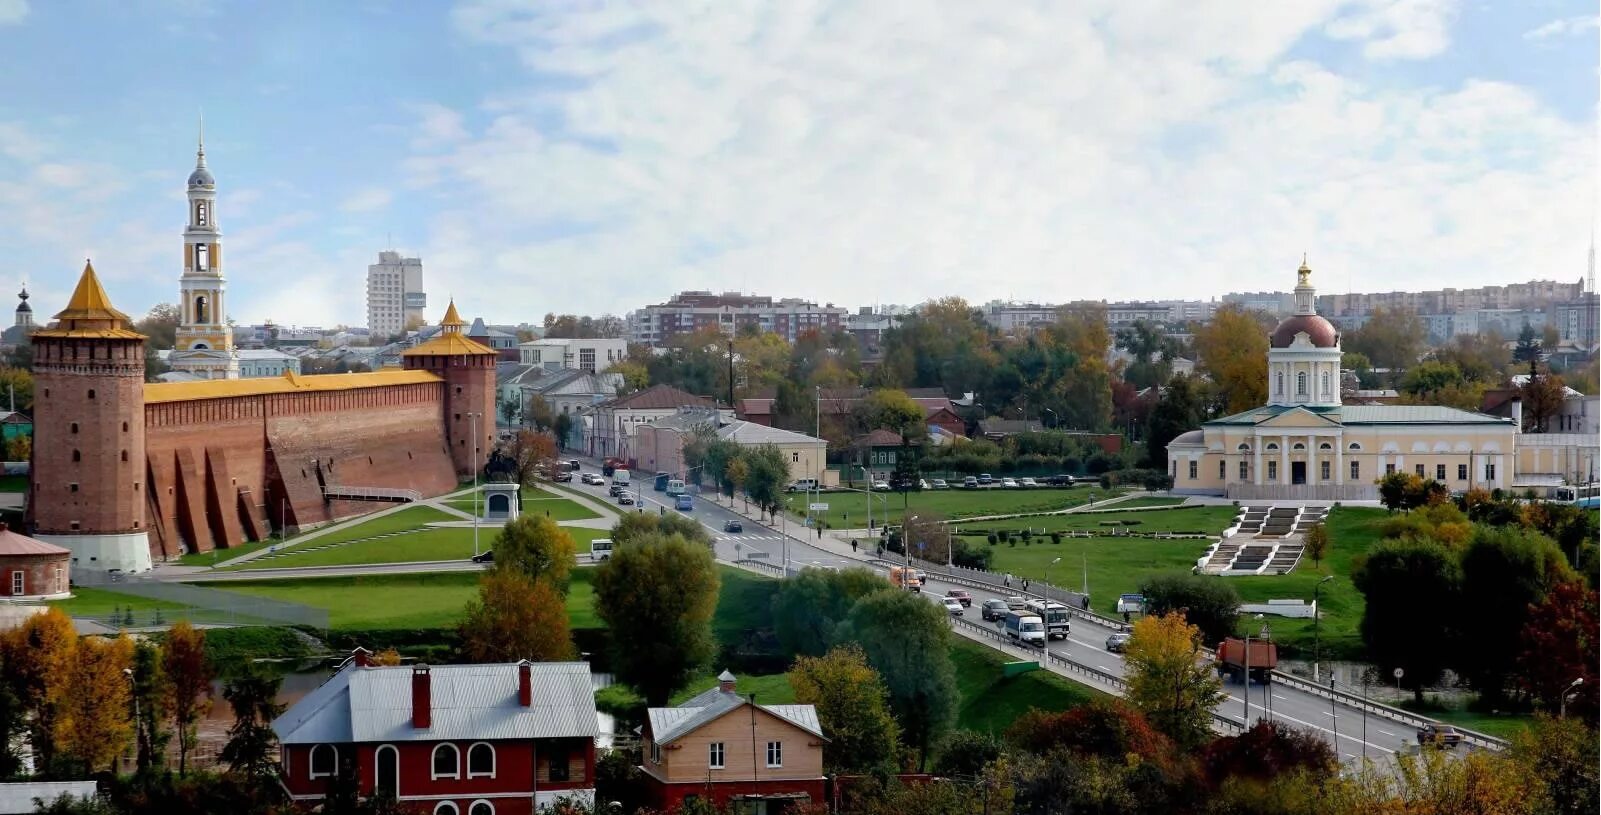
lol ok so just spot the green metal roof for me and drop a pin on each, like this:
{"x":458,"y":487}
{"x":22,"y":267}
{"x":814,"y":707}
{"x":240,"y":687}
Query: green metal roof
{"x":1367,"y":415}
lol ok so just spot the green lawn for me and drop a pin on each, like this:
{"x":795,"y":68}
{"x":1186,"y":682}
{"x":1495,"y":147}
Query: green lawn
{"x":13,"y":483}
{"x":86,"y":602}
{"x":1208,"y":520}
{"x":1501,"y":726}
{"x":1151,"y":501}
{"x":772,"y":689}
{"x":540,"y":503}
{"x":224,"y":555}
{"x":991,"y":702}
{"x":377,"y":601}
{"x":1116,"y":565}
{"x":449,"y":543}
{"x":849,"y":509}
{"x":409,"y":518}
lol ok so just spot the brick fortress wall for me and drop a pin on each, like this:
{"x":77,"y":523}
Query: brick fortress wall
{"x":229,"y":469}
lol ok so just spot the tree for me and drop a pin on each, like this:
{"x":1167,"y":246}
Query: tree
{"x":1391,"y":338}
{"x":189,"y":674}
{"x":562,"y":427}
{"x":636,"y":377}
{"x":536,"y":546}
{"x":96,"y":711}
{"x":1418,"y":581}
{"x":657,"y":595}
{"x":1505,"y":571}
{"x":1558,"y":645}
{"x":19,"y":448}
{"x":852,"y":707}
{"x":1233,"y":352}
{"x":152,"y":693}
{"x":906,"y":637}
{"x":251,"y":748}
{"x":16,"y":387}
{"x":638,"y":525}
{"x":1317,"y":543}
{"x":1208,"y":603}
{"x":1560,"y":756}
{"x":1104,"y":728}
{"x":1543,"y":396}
{"x":809,"y":605}
{"x":528,"y":451}
{"x":160,"y":326}
{"x":1528,"y":350}
{"x":892,"y":409}
{"x":701,"y":437}
{"x":768,"y":473}
{"x":537,"y":412}
{"x":928,"y":536}
{"x":736,"y":475}
{"x":1266,"y":750}
{"x":1168,"y":682}
{"x":514,"y":617}
{"x":38,"y":663}
{"x":508,"y":411}
{"x":1176,"y":411}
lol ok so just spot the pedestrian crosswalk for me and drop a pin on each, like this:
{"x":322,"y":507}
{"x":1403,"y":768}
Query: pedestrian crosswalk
{"x":750,"y":537}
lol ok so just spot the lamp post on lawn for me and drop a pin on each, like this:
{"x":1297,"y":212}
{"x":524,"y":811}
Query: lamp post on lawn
{"x":472,"y":421}
{"x":1048,"y":566}
{"x":1566,"y":692}
{"x":1317,"y":618}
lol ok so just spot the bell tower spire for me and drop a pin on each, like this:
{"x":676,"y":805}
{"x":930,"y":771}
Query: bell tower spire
{"x":205,"y":341}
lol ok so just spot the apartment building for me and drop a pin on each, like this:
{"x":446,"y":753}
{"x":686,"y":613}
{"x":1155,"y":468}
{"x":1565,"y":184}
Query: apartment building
{"x":691,"y":311}
{"x":594,"y":355}
{"x":395,"y":297}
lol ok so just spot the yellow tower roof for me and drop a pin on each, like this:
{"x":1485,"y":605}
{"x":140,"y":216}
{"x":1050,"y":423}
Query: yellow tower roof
{"x":449,"y":342}
{"x":90,"y":314}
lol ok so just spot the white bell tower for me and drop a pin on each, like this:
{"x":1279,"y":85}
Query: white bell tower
{"x":205,"y":340}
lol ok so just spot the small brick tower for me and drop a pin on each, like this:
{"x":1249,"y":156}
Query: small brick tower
{"x":468,"y":369}
{"x":89,"y":433}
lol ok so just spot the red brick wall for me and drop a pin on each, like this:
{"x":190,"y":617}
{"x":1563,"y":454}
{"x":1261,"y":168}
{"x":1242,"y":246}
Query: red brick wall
{"x":469,"y":388}
{"x":39,"y":574}
{"x":225,"y":470}
{"x":514,"y":773}
{"x":103,"y":428}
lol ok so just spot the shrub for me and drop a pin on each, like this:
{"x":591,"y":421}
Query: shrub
{"x":1056,"y":537}
{"x":993,"y":539}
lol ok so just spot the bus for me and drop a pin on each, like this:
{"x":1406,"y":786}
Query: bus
{"x":675,"y":486}
{"x":1584,"y":495}
{"x":600,"y":549}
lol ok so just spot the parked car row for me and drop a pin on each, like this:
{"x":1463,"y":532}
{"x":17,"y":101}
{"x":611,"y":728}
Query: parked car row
{"x":985,"y":480}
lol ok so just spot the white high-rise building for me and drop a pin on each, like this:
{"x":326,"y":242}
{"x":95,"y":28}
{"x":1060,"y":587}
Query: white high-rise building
{"x":395,"y":298}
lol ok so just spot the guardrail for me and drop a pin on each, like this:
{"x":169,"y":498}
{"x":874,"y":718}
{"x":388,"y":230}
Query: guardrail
{"x":1402,"y":715}
{"x":338,"y":492}
{"x":981,"y":579}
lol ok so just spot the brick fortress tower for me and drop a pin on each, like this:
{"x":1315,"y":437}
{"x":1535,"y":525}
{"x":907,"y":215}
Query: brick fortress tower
{"x":468,"y":369}
{"x":89,"y":433}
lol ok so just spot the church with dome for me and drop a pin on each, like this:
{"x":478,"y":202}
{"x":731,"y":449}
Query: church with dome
{"x":1304,"y":444}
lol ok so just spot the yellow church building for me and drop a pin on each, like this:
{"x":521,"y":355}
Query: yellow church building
{"x":1304,"y":444}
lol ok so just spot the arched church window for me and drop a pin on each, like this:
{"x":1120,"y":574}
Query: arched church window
{"x":1326,"y":390}
{"x":201,"y":309}
{"x":1278,"y":385}
{"x":1300,"y":383}
{"x":202,"y":257}
{"x":200,"y":213}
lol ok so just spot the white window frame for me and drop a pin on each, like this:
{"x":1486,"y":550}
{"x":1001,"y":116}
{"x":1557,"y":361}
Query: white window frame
{"x":716,"y":756}
{"x":447,"y":808}
{"x":433,"y":765}
{"x":19,"y":582}
{"x":655,"y":752}
{"x":775,"y":749}
{"x":311,"y":762}
{"x":480,"y":801}
{"x":1300,"y":383}
{"x":378,"y":764}
{"x":493,"y":759}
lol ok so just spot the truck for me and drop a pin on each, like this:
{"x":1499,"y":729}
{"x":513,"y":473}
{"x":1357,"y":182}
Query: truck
{"x":1025,"y":628}
{"x":661,"y":481}
{"x":905,"y":578}
{"x":1232,"y":663}
{"x":610,"y":465}
{"x":1053,"y":613}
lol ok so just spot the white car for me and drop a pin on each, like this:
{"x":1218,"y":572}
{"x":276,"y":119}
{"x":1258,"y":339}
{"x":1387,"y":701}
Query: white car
{"x":939,"y":484}
{"x":881,"y":486}
{"x":1026,"y":482}
{"x":1009,"y":483}
{"x":954,"y":606}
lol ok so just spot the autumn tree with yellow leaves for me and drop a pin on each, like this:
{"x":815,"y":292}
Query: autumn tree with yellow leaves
{"x":93,"y":724}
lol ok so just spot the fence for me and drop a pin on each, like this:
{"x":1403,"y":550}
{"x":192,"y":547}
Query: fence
{"x":197,"y":604}
{"x":980,"y":579}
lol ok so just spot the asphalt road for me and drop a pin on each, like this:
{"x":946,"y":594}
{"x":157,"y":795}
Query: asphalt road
{"x":1356,"y":734}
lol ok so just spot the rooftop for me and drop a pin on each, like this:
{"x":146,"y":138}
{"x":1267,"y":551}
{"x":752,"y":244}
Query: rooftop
{"x":89,"y":313}
{"x":751,"y":433}
{"x":1368,"y":414}
{"x":12,"y":543}
{"x":668,"y":724}
{"x":290,"y":382}
{"x":657,"y":397}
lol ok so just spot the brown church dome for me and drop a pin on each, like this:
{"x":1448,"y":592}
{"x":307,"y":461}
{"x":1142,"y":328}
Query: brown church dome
{"x":1321,"y":332}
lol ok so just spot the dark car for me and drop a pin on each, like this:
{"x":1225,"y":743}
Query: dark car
{"x":625,"y":499}
{"x":1117,"y":643}
{"x":564,"y":475}
{"x":486,"y":556}
{"x":733,"y":525}
{"x":1439,"y":735}
{"x":616,"y":490}
{"x":572,"y":464}
{"x":993,"y":610}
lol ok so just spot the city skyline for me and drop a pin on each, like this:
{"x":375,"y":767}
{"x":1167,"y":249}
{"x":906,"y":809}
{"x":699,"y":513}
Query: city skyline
{"x":599,"y":160}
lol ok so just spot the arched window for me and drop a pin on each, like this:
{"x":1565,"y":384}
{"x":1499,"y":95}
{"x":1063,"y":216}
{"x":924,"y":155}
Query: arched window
{"x":200,"y":213}
{"x":1325,"y":446}
{"x":202,"y":258}
{"x":481,"y":808}
{"x":386,"y":776}
{"x":1355,"y":446}
{"x":1272,"y":445}
{"x":446,"y":808}
{"x":481,"y":759}
{"x":1278,"y":385}
{"x":1326,"y":390}
{"x":324,"y":760}
{"x":1245,"y":448}
{"x":447,"y":761}
{"x":200,"y":310}
{"x":1298,"y":446}
{"x":1300,"y":383}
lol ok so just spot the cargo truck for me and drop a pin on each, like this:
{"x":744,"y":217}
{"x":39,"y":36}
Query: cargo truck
{"x":1232,"y":663}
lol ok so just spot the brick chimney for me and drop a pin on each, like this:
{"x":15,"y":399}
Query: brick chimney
{"x":725,"y":682}
{"x":525,"y":684}
{"x":422,"y":703}
{"x":362,"y":657}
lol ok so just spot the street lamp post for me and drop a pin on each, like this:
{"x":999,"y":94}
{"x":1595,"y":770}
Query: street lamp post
{"x":906,"y":547}
{"x":1317,"y":618}
{"x":1562,"y":709}
{"x":472,"y":421}
{"x":1048,"y":566}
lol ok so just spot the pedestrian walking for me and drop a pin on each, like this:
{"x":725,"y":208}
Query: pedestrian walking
{"x":1025,"y":584}
{"x":1084,"y":602}
{"x":853,"y":547}
{"x":1008,"y":581}
{"x":1125,"y":617}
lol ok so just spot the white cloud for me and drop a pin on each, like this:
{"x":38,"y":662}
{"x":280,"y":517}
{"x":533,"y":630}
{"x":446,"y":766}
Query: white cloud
{"x":1397,"y":29}
{"x":367,"y":200}
{"x":13,"y":12}
{"x":860,"y":152}
{"x":436,"y":126}
{"x":1565,"y":27}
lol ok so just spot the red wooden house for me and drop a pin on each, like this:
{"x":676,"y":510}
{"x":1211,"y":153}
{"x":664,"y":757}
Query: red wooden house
{"x":502,"y":739}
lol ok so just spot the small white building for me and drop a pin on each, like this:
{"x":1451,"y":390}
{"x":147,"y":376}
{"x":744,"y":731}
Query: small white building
{"x":592,"y":355}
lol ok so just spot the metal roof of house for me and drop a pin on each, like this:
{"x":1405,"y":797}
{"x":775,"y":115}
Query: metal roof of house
{"x":668,"y":724}
{"x":656,"y":397}
{"x":1367,"y":414}
{"x":745,"y":432}
{"x":373,"y":704}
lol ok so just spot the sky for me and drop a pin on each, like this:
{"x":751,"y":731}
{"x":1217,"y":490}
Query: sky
{"x":593,"y":157}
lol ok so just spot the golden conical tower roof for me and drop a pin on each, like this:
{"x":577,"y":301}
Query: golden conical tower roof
{"x":89,"y":313}
{"x":451,"y":316}
{"x":450,"y":341}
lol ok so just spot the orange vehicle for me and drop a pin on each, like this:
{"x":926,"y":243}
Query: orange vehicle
{"x":905,"y":578}
{"x":1232,"y":664}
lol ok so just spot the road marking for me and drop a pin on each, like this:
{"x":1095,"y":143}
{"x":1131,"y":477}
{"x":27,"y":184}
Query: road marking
{"x":1385,"y":732}
{"x":1285,"y":698}
{"x":1278,"y":715}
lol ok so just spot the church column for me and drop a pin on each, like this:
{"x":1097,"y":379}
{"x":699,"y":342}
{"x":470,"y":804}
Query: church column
{"x":1311,"y":459}
{"x":1256,"y":447}
{"x":1284,"y":459}
{"x":1339,"y":461}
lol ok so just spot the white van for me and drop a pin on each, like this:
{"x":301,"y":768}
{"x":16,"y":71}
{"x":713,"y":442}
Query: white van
{"x":1025,"y":628}
{"x":600,"y":549}
{"x":802,"y":485}
{"x":621,"y":477}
